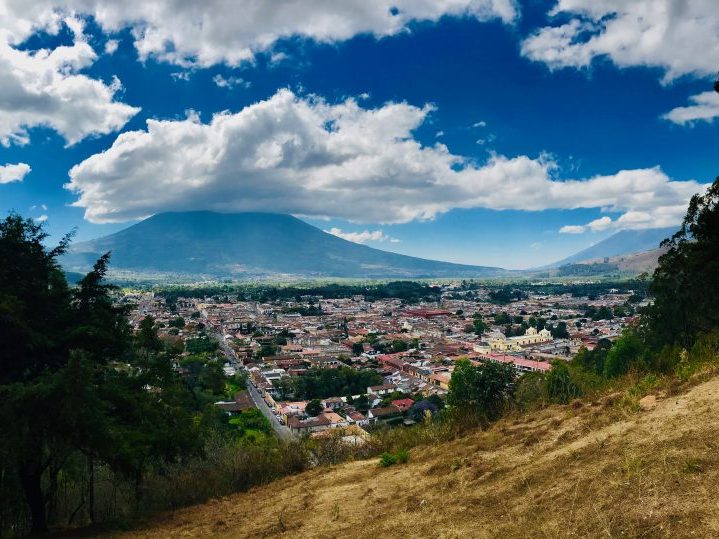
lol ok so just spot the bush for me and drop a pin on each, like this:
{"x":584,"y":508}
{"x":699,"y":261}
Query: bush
{"x":703,"y":353}
{"x":531,"y":390}
{"x":644,"y":386}
{"x":627,"y":353}
{"x":483,"y":389}
{"x":387,"y":459}
{"x":560,"y":384}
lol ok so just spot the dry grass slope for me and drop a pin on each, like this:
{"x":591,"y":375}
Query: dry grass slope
{"x":588,"y":470}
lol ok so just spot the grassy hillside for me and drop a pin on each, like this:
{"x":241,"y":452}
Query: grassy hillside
{"x":619,"y":466}
{"x":635,"y":263}
{"x":622,"y":243}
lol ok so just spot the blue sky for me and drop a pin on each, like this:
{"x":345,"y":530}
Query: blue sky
{"x":487,"y":131}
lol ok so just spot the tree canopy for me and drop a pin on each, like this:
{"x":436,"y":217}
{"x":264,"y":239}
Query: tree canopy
{"x":483,"y":388}
{"x":71,"y":381}
{"x":685,"y":284}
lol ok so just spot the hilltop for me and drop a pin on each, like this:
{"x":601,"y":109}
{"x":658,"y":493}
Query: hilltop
{"x":608,"y":468}
{"x":624,"y":242}
{"x":245,"y":245}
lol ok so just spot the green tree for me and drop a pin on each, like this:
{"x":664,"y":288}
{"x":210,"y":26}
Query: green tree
{"x":314,"y":408}
{"x":362,"y":403}
{"x":323,"y":383}
{"x":146,"y":338}
{"x":560,"y":331}
{"x":593,"y":360}
{"x":483,"y":389}
{"x":285,"y":387}
{"x":685,"y":284}
{"x":399,"y":345}
{"x":357,"y":349}
{"x":65,"y":389}
{"x":560,"y":384}
{"x":479,"y":326}
{"x":626,"y":353}
{"x":178,"y":322}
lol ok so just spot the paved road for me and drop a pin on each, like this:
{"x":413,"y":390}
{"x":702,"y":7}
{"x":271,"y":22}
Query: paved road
{"x":281,"y":430}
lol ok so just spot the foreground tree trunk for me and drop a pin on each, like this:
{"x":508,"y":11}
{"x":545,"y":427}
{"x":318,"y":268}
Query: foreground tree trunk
{"x":31,"y":478}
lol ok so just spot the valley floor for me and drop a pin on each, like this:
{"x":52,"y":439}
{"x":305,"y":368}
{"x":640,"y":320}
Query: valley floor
{"x":589,"y":470}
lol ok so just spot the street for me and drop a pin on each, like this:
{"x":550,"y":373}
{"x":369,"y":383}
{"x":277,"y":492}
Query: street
{"x":281,"y":430}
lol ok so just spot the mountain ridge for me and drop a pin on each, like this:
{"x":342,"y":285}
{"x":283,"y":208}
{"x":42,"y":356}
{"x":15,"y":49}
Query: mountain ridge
{"x":624,"y":242}
{"x":253,"y":244}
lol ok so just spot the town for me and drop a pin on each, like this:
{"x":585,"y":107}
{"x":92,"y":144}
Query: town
{"x":313,"y":364}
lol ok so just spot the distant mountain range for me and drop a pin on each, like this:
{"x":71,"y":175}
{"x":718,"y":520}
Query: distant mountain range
{"x":246,"y":245}
{"x":203,"y":244}
{"x":623,"y":242}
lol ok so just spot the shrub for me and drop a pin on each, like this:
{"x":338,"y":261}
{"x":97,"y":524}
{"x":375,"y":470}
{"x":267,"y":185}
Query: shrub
{"x":402,"y":456}
{"x":483,"y":389}
{"x":667,"y":359}
{"x":627,"y":353}
{"x":560,"y":385}
{"x":705,"y":352}
{"x":644,"y":386}
{"x":530,"y":391}
{"x":387,"y":459}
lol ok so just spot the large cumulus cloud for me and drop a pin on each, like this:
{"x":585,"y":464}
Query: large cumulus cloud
{"x":47,"y":88}
{"x":232,"y":31}
{"x":305,"y":156}
{"x":13,"y":172}
{"x":680,"y":37}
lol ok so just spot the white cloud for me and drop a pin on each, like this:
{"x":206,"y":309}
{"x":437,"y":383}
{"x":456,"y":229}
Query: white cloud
{"x":362,"y":237}
{"x":598,"y":225}
{"x":111,"y":46}
{"x":45,"y":88}
{"x":182,"y":75}
{"x":439,"y":134}
{"x":234,"y":31}
{"x":481,"y":123}
{"x":41,"y":219}
{"x":278,"y":57}
{"x":302,"y":155}
{"x":572,"y":229}
{"x":14,"y":173}
{"x":705,"y":108}
{"x":603,"y":223}
{"x":681,"y":37}
{"x":230,"y":82}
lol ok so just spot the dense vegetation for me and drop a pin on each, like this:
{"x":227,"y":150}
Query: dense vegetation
{"x":503,"y":294}
{"x":92,"y":415}
{"x":408,"y":291}
{"x":323,"y":383}
{"x":584,"y":270}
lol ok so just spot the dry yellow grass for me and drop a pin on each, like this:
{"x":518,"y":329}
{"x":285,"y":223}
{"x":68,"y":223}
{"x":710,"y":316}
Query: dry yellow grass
{"x":588,"y":470}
